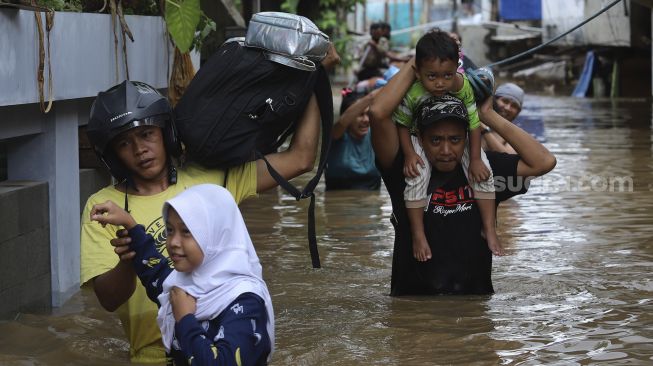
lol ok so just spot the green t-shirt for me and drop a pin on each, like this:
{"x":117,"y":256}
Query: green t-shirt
{"x":138,"y":314}
{"x":404,"y":114}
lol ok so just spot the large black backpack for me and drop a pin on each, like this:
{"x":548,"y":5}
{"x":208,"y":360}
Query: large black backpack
{"x":241,"y":106}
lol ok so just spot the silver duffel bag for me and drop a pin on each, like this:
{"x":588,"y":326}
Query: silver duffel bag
{"x":289,"y":39}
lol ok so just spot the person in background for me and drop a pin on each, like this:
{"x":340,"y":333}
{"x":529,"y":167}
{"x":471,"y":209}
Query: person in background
{"x":392,"y":57}
{"x":377,"y":54}
{"x":372,"y":59}
{"x":508,"y":100}
{"x":214,"y":307}
{"x":350,"y":164}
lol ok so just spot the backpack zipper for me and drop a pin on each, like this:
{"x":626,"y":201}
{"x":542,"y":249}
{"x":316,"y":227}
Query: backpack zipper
{"x":269,"y":102}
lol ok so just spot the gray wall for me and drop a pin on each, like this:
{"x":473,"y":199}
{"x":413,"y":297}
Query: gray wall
{"x":52,"y":156}
{"x":91,"y":181}
{"x":45,"y":147}
{"x":24,"y":248}
{"x":83,"y":55}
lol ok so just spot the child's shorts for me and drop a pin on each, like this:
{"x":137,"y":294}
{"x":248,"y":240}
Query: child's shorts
{"x":416,"y":192}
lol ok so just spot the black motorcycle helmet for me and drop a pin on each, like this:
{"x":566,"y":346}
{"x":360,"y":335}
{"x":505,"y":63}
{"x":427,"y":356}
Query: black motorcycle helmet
{"x":128,"y":105}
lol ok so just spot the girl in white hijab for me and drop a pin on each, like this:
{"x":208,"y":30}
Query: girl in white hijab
{"x":214,"y":307}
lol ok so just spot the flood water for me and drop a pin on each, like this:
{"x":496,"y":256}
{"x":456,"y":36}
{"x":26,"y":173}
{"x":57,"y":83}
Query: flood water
{"x":577,"y":287}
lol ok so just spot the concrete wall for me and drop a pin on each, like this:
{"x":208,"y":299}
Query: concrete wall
{"x":83,"y":55}
{"x":24,"y":248}
{"x":91,"y":181}
{"x":52,"y":156}
{"x":45,"y":147}
{"x":611,"y":28}
{"x":474,"y":43}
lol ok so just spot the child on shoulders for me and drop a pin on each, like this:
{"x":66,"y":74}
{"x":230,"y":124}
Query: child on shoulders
{"x":436,"y":63}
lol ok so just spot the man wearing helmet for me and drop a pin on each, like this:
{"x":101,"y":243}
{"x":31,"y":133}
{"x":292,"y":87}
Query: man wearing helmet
{"x":133,"y":133}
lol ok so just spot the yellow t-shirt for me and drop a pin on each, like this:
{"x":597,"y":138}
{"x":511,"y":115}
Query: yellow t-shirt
{"x":138,"y":314}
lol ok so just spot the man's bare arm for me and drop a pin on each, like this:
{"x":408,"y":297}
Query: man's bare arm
{"x":385,"y":138}
{"x":535,"y":160}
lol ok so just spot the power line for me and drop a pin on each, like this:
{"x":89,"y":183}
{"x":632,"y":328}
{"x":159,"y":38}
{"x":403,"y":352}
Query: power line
{"x":528,"y":52}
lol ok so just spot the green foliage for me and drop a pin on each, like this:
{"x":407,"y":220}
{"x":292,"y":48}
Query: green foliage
{"x":187,"y":24}
{"x":61,"y":5}
{"x":130,"y":7}
{"x":289,"y":6}
{"x":205,"y":27}
{"x":333,"y":21}
{"x":139,"y":7}
{"x":182,"y":18}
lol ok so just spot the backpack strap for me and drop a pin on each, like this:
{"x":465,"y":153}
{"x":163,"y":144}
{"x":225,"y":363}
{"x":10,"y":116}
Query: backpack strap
{"x":325,"y":103}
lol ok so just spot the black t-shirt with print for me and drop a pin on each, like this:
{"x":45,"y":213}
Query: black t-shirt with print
{"x":461,"y":261}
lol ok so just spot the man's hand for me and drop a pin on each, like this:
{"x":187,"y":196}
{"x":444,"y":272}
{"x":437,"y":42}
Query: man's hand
{"x":411,"y":170}
{"x":478,"y":171}
{"x":484,"y":108}
{"x":121,"y":245}
{"x":182,"y":303}
{"x":332,"y":58}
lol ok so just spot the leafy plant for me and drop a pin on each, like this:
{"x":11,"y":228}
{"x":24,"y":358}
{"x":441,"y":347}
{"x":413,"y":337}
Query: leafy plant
{"x":61,"y":5}
{"x":205,"y":27}
{"x":187,"y":24}
{"x":289,"y":6}
{"x":182,"y":18}
{"x":333,"y":21}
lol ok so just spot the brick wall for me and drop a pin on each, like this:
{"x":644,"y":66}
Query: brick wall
{"x":25,"y":275}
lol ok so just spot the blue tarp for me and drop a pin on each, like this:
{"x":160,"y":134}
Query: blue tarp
{"x":585,"y":77}
{"x":520,"y":9}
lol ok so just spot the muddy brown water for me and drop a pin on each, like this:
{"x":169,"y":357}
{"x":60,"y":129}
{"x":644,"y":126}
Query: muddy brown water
{"x":576,"y":289}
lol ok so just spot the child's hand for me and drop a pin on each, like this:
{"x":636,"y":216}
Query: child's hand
{"x":182,"y":303}
{"x":411,"y":170}
{"x":478,"y":171}
{"x":110,"y":213}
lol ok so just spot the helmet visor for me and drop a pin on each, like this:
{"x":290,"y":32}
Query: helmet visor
{"x":158,"y":121}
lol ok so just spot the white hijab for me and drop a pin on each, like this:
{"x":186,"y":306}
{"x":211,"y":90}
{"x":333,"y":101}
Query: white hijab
{"x":230,"y":266}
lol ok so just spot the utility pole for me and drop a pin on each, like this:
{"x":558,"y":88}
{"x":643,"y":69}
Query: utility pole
{"x":386,"y":10}
{"x":365,"y":26}
{"x":426,"y":5}
{"x":395,"y":12}
{"x":454,"y":15}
